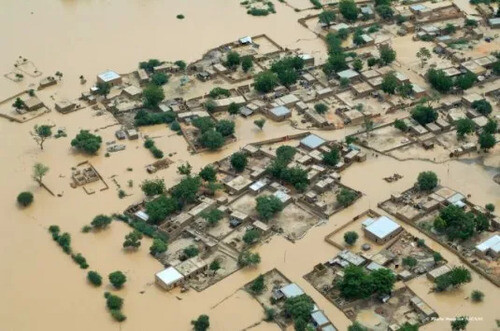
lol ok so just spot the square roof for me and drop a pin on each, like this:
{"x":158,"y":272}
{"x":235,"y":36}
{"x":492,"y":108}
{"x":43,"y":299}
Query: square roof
{"x":280,"y":111}
{"x":382,"y":227}
{"x":312,"y":141}
{"x":108,"y":75}
{"x":169,"y":275}
{"x":291,"y":290}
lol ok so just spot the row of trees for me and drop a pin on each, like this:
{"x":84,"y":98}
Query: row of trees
{"x":443,"y":83}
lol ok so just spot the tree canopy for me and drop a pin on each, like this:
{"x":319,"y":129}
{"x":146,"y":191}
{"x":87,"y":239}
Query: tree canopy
{"x":267,"y":206}
{"x":427,"y":180}
{"x":87,"y":142}
{"x":152,"y":95}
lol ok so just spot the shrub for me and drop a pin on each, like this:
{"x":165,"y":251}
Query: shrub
{"x":113,"y":301}
{"x":117,"y":315}
{"x":477,"y":296}
{"x":239,"y":161}
{"x":117,"y":279}
{"x":101,"y":221}
{"x":25,"y":199}
{"x":409,"y":261}
{"x":321,"y":108}
{"x":350,"y":237}
{"x":87,"y":142}
{"x":80,"y":260}
{"x":346,"y":197}
{"x":94,"y":278}
{"x":427,"y":180}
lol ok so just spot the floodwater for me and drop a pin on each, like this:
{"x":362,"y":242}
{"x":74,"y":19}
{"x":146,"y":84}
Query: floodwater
{"x":43,"y":289}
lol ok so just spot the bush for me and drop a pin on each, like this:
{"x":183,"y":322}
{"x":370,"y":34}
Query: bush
{"x":247,"y":258}
{"x":87,"y":142}
{"x":427,"y":180}
{"x":346,"y":197}
{"x":257,"y":285}
{"x":80,"y":260}
{"x":401,"y":125}
{"x":437,"y":256}
{"x":239,"y":161}
{"x":25,"y":199}
{"x":267,"y":206}
{"x":350,"y":237}
{"x":113,"y":301}
{"x":117,"y":279}
{"x":152,"y":187}
{"x":101,"y":221}
{"x":321,"y":108}
{"x":158,"y":247}
{"x":94,"y":278}
{"x":117,"y":315}
{"x":152,"y":95}
{"x":212,"y":140}
{"x":217,"y":92}
{"x":477,"y":296}
{"x":159,"y":78}
{"x":409,"y":261}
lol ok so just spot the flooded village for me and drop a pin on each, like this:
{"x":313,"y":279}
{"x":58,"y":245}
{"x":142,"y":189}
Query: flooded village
{"x":250,"y":165}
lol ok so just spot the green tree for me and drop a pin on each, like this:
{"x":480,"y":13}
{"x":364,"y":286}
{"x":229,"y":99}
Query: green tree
{"x":218,"y":92}
{"x":424,"y":114}
{"x":297,"y":177}
{"x":389,"y":83}
{"x":210,"y":106}
{"x":87,"y":142}
{"x":42,"y":132}
{"x":208,"y":173}
{"x":332,"y":157}
{"x":326,"y":17}
{"x":356,"y":326}
{"x":214,"y":265}
{"x":213,"y":216}
{"x":439,"y":80}
{"x":477,"y":296}
{"x":357,"y":65}
{"x":159,"y":78}
{"x":460,"y":323}
{"x":185,"y":169}
{"x":335,"y":63}
{"x":437,"y":257}
{"x":321,"y":108}
{"x":409,"y":261}
{"x":346,"y":197}
{"x":113,"y":301}
{"x":212,"y":140}
{"x":149,"y":65}
{"x":350,"y":237}
{"x":491,"y":126}
{"x":152,"y":95}
{"x":185,"y":192}
{"x":385,"y":11}
{"x":247,"y":259}
{"x":251,"y":236}
{"x":225,"y":127}
{"x":181,"y":64}
{"x":486,"y":140}
{"x":456,"y":277}
{"x":464,"y":126}
{"x":25,"y":199}
{"x":202,"y":323}
{"x":382,"y":281}
{"x":268,"y":206}
{"x":159,"y":208}
{"x":103,"y":88}
{"x":424,"y":55}
{"x":246,"y":63}
{"x":101,"y":221}
{"x":408,"y":327}
{"x":405,"y":89}
{"x":239,"y":161}
{"x":133,"y":240}
{"x":490,"y":207}
{"x":117,"y":279}
{"x":348,"y":9}
{"x":94,"y":278}
{"x":204,"y":124}
{"x":19,"y":104}
{"x":371,"y":61}
{"x":257,"y":285}
{"x":158,"y":247}
{"x":427,"y":180}
{"x":355,"y":284}
{"x":152,"y":187}
{"x":265,"y":81}
{"x":233,"y":59}
{"x":299,"y":308}
{"x":465,"y":81}
{"x":482,"y":106}
{"x":260,"y":123}
{"x":191,"y":251}
{"x":450,"y":28}
{"x":233,"y":108}
{"x":387,"y":54}
{"x":401,"y":125}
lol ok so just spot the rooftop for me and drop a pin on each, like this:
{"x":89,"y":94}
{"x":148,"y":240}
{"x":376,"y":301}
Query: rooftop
{"x":349,"y":73}
{"x":492,"y":243}
{"x":169,"y":275}
{"x":280,"y":111}
{"x":381,"y":227}
{"x":291,"y":290}
{"x":108,"y":76}
{"x":312,"y":141}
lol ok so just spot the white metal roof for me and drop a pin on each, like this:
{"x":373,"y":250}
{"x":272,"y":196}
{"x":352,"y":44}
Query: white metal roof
{"x":280,"y":111}
{"x":382,"y":227}
{"x":291,"y":290}
{"x":312,"y":141}
{"x":169,"y":276}
{"x":492,"y":243}
{"x":108,"y":75}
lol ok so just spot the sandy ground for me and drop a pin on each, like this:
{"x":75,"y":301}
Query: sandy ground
{"x":43,"y":289}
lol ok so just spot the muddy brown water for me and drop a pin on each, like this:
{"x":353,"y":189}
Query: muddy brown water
{"x":43,"y":289}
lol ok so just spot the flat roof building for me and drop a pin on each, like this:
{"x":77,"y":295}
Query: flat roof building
{"x":381,"y":229}
{"x":489,"y":247}
{"x":348,"y":74}
{"x":280,"y":113}
{"x":110,"y":77}
{"x":169,"y":278}
{"x":291,"y":290}
{"x":312,"y":141}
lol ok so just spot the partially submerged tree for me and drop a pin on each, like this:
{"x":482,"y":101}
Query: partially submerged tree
{"x":427,"y":180}
{"x":152,"y":187}
{"x":348,"y":9}
{"x":202,"y":323}
{"x":87,"y":142}
{"x":117,"y":279}
{"x":460,"y":323}
{"x":101,"y":221}
{"x":158,"y":247}
{"x":185,"y":169}
{"x":39,"y":171}
{"x":42,"y":132}
{"x":208,"y":173}
{"x":260,"y":123}
{"x":25,"y":199}
{"x":133,"y":240}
